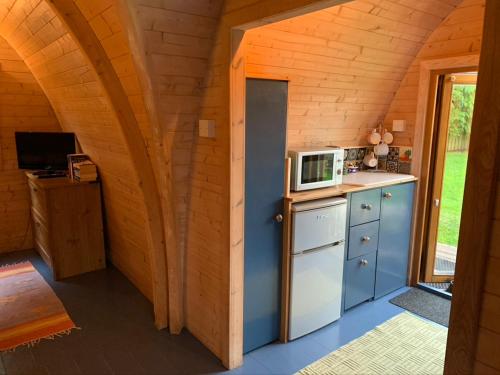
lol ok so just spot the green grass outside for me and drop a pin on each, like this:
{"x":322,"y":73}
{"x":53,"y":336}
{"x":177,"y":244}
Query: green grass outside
{"x":452,"y":198}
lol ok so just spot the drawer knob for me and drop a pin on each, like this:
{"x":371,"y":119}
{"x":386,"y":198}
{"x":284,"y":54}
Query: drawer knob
{"x":387,"y":195}
{"x":366,"y":206}
{"x":365,"y":238}
{"x":364,"y":262}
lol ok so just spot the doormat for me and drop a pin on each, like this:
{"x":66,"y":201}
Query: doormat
{"x":425,"y":304}
{"x":29,"y":309}
{"x":405,"y":344}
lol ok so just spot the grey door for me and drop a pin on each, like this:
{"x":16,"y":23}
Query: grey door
{"x":265,"y":143}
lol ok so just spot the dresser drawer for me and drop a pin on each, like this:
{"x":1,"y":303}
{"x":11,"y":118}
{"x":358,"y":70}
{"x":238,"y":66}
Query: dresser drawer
{"x":365,"y":206}
{"x":359,"y":280}
{"x":38,"y":199}
{"x":363,"y":239}
{"x":40,"y":231}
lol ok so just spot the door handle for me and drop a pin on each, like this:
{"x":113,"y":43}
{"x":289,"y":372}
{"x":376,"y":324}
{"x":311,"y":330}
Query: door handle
{"x":278,"y":218}
{"x":436,"y":202}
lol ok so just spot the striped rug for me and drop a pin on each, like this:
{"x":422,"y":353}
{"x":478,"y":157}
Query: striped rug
{"x":29,"y":309}
{"x":406,"y":344}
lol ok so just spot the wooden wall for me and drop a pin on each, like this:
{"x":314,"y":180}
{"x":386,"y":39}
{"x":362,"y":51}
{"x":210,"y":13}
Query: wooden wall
{"x":344,"y":64}
{"x":459,"y":34}
{"x":487,"y":359}
{"x":178,"y":38}
{"x":78,"y":98}
{"x":23,"y":107}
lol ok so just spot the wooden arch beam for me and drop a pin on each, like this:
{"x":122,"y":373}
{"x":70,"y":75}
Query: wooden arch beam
{"x":76,"y":23}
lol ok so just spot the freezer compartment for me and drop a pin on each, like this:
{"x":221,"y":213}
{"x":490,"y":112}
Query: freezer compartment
{"x":318,"y":223}
{"x":316,"y":289}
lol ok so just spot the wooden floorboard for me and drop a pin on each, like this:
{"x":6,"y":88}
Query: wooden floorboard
{"x":117,"y":333}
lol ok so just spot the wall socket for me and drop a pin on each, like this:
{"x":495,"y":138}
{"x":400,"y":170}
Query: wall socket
{"x":398,"y":125}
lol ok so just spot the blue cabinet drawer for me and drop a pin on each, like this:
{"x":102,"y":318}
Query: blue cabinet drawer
{"x":359,"y":280}
{"x":365,"y":206}
{"x":363,"y":239}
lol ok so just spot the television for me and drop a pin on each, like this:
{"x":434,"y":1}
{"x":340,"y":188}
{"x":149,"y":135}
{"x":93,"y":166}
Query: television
{"x":47,"y":151}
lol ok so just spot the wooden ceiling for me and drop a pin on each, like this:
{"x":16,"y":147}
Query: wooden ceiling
{"x":345,"y":63}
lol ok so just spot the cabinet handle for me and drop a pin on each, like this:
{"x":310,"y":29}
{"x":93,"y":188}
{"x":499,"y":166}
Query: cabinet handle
{"x":278,"y":218}
{"x":387,"y":195}
{"x":365,"y":238}
{"x":363,"y":262}
{"x":366,"y":206}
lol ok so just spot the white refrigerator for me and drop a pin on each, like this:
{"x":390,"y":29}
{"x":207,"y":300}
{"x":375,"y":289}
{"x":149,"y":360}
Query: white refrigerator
{"x":318,"y":241}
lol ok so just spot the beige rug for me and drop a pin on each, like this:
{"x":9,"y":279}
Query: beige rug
{"x":406,"y":344}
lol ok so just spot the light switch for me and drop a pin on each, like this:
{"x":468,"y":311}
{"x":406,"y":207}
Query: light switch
{"x":207,"y":128}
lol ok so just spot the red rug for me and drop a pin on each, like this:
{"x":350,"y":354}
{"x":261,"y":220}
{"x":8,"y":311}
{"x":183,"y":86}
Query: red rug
{"x":29,"y":309}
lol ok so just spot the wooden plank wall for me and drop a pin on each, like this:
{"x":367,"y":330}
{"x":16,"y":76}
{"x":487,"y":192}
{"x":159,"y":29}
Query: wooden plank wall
{"x":23,"y":107}
{"x":459,"y":34}
{"x":487,"y":359}
{"x":177,"y":38}
{"x":344,"y":64}
{"x":77,"y":97}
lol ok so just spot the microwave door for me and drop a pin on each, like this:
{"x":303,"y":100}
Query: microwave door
{"x":307,"y":169}
{"x":320,"y":167}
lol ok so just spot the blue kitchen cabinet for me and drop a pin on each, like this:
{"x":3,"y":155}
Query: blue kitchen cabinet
{"x":363,"y":239}
{"x":396,"y":212}
{"x":379,"y":230}
{"x":365,"y":206}
{"x":359,"y":279}
{"x":361,"y":255}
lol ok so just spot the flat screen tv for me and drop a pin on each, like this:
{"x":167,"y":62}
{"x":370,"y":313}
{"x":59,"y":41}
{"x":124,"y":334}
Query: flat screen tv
{"x":44,"y":150}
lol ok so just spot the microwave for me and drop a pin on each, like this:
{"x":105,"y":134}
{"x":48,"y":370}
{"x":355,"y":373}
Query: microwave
{"x":316,"y":168}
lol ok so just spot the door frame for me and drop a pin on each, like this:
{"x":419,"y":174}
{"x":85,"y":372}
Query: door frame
{"x":438,"y":157}
{"x":422,"y":146}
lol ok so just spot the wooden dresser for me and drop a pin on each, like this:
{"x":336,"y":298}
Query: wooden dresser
{"x":67,"y":225}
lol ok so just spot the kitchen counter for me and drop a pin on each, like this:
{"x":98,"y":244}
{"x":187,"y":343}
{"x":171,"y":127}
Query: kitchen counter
{"x":369,"y":179}
{"x":352,"y":183}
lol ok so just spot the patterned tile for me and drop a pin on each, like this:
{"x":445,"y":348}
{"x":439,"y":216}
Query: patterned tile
{"x":361,"y":153}
{"x":397,"y":161}
{"x":392,"y":166}
{"x":405,"y":154}
{"x":382,"y":163}
{"x":404,"y":167}
{"x":393,"y":154}
{"x":352,"y":154}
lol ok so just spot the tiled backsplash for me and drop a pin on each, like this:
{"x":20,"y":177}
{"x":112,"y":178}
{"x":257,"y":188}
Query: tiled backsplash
{"x":397,"y":161}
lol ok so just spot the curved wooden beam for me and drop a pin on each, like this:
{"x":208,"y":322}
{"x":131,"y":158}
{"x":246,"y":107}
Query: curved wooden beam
{"x":175,"y":255}
{"x":85,"y":37}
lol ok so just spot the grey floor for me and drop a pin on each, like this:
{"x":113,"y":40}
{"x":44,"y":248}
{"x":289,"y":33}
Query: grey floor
{"x":117,"y":333}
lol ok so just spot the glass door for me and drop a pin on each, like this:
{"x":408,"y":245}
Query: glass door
{"x":450,"y":165}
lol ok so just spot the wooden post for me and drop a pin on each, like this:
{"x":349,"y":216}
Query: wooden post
{"x":478,"y":206}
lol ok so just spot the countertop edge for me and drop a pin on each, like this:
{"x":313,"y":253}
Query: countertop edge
{"x":336,"y":191}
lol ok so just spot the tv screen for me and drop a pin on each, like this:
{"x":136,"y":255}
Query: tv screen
{"x":44,"y":150}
